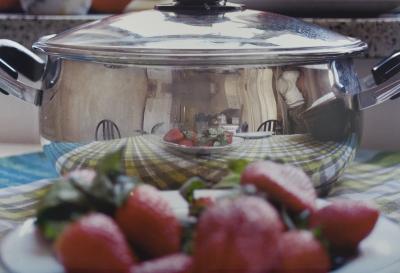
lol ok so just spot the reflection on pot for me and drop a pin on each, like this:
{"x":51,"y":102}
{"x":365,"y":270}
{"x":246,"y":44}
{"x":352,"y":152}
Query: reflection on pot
{"x":211,"y":137}
{"x":202,"y":107}
{"x":147,"y":157}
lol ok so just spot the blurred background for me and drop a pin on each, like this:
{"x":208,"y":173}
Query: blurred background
{"x":374,"y":21}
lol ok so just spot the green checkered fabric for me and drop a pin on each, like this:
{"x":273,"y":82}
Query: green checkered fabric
{"x":166,"y":168}
{"x":373,"y":177}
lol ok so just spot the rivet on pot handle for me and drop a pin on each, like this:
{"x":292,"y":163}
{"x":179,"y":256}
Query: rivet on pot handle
{"x":16,"y":62}
{"x":384,"y":84}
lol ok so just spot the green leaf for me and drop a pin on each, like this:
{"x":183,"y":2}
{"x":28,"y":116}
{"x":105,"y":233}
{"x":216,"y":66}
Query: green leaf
{"x":189,"y":187}
{"x":112,"y":163}
{"x":188,"y":235}
{"x":238,"y":165}
{"x":72,"y":197}
{"x":100,"y":193}
{"x":232,"y":180}
{"x":318,"y":234}
{"x":52,"y":229}
{"x":107,"y":193}
{"x":123,"y":187}
{"x":60,"y":206}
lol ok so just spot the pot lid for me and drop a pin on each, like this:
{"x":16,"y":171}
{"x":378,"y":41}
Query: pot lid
{"x":200,"y":32}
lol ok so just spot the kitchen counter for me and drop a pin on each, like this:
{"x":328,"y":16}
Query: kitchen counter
{"x":382,"y":33}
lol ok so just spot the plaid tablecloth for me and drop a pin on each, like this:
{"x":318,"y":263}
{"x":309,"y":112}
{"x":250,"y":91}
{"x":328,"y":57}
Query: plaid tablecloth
{"x":373,"y":176}
{"x":167,"y":168}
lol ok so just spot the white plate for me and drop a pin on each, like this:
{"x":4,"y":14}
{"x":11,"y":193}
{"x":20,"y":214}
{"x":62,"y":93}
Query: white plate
{"x":203,"y":150}
{"x":254,"y":135}
{"x":22,"y":251}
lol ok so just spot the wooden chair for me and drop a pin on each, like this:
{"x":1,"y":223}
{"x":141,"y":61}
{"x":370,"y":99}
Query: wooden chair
{"x":271,"y":125}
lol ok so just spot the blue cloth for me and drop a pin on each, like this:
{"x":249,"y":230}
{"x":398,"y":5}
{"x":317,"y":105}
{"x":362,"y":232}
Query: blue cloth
{"x":23,"y":169}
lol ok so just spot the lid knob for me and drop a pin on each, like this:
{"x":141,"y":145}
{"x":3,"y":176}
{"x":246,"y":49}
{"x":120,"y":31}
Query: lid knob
{"x":200,"y":6}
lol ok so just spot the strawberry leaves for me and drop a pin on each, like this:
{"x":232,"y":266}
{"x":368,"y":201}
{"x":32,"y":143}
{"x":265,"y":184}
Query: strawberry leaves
{"x":232,"y":179}
{"x":102,"y":190}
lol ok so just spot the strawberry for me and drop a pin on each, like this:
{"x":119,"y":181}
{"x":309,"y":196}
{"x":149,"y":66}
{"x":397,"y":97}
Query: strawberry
{"x":186,"y":142}
{"x":175,"y":263}
{"x":94,"y":244}
{"x":345,"y":223}
{"x":237,"y":235}
{"x":149,"y":223}
{"x":190,"y":135}
{"x":285,"y":184}
{"x":174,"y":135}
{"x":300,"y":252}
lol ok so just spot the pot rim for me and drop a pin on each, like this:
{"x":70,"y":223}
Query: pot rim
{"x":155,"y":37}
{"x":188,"y":58}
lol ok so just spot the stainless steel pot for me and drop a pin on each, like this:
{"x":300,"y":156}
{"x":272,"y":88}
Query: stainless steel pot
{"x":234,"y":83}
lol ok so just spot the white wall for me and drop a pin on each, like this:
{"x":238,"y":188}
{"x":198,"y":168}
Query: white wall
{"x":382,"y":122}
{"x":19,"y":120}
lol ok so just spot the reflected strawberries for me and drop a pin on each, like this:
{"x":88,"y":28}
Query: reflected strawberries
{"x":212,"y":137}
{"x":174,"y":135}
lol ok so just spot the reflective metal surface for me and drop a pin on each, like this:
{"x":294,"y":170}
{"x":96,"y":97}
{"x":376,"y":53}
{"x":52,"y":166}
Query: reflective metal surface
{"x":185,"y":93}
{"x":173,"y":38}
{"x":309,"y":102}
{"x":16,"y":88}
{"x":377,"y":94}
{"x":150,"y":100}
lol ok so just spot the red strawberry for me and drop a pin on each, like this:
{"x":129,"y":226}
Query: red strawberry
{"x":190,"y":135}
{"x":285,"y":184}
{"x":239,"y":235}
{"x":94,"y":244}
{"x":176,"y":263}
{"x":149,"y":223}
{"x":186,"y":142}
{"x":174,"y":135}
{"x":204,"y":202}
{"x":345,"y":223}
{"x":300,"y":252}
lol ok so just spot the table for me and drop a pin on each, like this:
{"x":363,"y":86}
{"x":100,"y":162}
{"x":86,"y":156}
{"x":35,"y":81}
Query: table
{"x":374,"y":177}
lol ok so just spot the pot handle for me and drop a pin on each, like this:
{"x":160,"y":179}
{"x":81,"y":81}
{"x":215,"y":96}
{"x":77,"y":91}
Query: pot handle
{"x":17,"y":62}
{"x":383,"y":84}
